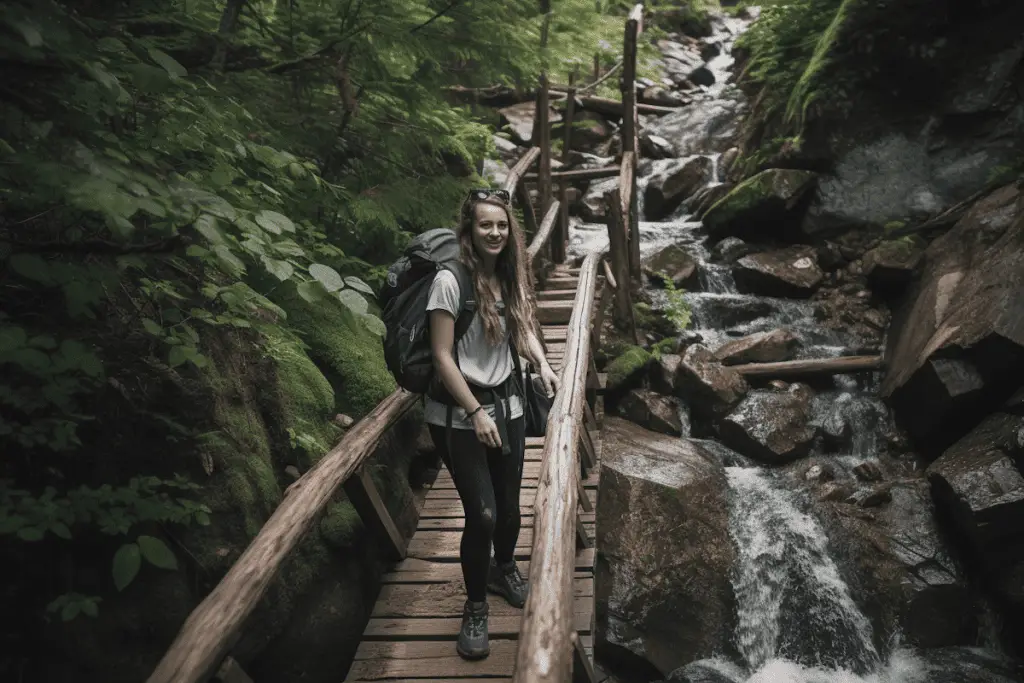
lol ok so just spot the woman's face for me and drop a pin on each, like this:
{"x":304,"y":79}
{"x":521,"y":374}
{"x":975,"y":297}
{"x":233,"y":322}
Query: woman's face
{"x":490,"y":230}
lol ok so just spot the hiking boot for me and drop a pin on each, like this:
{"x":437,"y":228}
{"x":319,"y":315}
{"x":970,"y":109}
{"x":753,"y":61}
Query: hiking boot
{"x":472,"y":642}
{"x":506,"y":581}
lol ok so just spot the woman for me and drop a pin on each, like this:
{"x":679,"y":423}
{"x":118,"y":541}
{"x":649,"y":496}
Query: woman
{"x":480,"y":395}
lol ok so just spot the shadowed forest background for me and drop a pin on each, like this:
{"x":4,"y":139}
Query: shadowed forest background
{"x":198,"y":200}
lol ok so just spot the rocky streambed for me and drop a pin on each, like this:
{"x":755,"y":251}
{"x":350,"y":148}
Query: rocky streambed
{"x":864,"y":527}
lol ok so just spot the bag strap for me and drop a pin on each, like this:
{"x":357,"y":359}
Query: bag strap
{"x":467,"y":299}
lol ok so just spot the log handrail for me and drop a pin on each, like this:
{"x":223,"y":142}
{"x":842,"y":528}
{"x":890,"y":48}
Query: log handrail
{"x":544,"y":232}
{"x":519,"y":170}
{"x":209,"y":632}
{"x":544,"y":654}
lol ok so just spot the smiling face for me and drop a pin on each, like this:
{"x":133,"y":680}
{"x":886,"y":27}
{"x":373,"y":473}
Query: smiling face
{"x":490,"y":230}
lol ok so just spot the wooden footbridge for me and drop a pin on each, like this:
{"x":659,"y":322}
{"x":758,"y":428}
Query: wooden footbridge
{"x":411,"y":632}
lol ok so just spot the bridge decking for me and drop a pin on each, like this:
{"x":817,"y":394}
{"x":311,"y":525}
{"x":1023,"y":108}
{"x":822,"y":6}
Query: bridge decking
{"x":411,"y":632}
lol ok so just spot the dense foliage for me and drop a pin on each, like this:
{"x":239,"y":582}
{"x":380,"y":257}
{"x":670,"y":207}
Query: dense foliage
{"x":189,"y":188}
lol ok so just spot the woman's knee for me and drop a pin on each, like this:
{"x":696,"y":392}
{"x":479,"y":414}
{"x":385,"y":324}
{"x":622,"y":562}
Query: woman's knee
{"x":482,"y":520}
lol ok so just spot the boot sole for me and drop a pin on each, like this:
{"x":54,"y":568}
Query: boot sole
{"x":472,"y":657}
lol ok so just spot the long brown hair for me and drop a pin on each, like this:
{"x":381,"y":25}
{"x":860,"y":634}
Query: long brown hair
{"x":513,"y":276}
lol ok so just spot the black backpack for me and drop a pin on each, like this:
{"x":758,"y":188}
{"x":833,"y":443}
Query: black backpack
{"x":403,"y":301}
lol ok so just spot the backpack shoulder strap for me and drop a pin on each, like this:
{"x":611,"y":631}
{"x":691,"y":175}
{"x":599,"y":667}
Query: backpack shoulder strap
{"x":467,"y":297}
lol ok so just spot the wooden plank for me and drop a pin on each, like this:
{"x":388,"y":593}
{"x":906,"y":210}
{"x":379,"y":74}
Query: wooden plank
{"x":214,"y":626}
{"x":389,"y":628}
{"x":556,"y":295}
{"x":446,"y":600}
{"x":434,"y":660}
{"x":543,"y":655}
{"x":362,"y":493}
{"x":582,"y":666}
{"x":583,"y":497}
{"x":457,"y":523}
{"x":554,"y":311}
{"x":815,"y":366}
{"x":584,"y":562}
{"x":444,"y":480}
{"x":584,"y":532}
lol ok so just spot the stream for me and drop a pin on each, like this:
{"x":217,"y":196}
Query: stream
{"x":797,"y":618}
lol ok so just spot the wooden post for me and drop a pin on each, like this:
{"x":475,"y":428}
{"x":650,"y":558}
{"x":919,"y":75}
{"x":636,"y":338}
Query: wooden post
{"x":212,"y":627}
{"x":514,"y":186}
{"x":630,"y":134}
{"x":544,"y":142}
{"x":561,"y":236}
{"x":582,"y":668}
{"x":362,"y":492}
{"x":623,"y":310}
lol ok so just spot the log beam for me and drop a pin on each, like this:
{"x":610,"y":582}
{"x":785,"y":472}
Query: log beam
{"x":816,"y":366}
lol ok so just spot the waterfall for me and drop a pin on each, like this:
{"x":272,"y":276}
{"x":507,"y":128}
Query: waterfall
{"x":792,"y":602}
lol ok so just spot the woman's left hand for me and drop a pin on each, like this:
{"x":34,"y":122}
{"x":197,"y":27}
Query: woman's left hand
{"x":550,"y":380}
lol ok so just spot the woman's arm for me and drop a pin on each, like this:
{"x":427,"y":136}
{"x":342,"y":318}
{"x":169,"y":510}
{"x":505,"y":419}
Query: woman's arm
{"x":547,"y":375}
{"x":442,"y":339}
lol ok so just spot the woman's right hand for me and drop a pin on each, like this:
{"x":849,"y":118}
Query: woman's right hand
{"x":486,"y":430}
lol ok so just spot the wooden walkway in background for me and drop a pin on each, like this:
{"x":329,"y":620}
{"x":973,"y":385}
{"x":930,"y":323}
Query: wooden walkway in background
{"x":412,"y":630}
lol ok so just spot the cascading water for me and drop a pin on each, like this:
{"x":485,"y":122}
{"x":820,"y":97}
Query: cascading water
{"x":797,"y":620}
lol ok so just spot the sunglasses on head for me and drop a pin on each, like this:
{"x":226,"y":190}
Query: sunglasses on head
{"x":483,"y":193}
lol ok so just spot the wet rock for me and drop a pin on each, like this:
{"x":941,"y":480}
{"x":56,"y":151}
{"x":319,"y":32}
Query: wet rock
{"x":652,"y":411}
{"x":519,"y":118}
{"x":663,"y":373}
{"x":627,"y":370}
{"x":726,"y":161}
{"x":969,"y":665}
{"x":707,"y":673}
{"x":978,"y":483}
{"x":344,"y":421}
{"x":495,"y":171}
{"x":507,"y":150}
{"x":579,"y":161}
{"x":830,"y":256}
{"x":771,"y":426}
{"x":709,"y":387}
{"x":764,"y":347}
{"x":710,"y":50}
{"x":655,"y":146}
{"x":820,"y":473}
{"x":833,"y":491}
{"x":592,"y":205}
{"x":764,"y":206}
{"x":835,"y":431}
{"x":662,"y":97}
{"x":789,"y":272}
{"x":701,"y":76}
{"x":674,"y":264}
{"x":868,"y":471}
{"x":729,"y":311}
{"x":730,"y":250}
{"x":590,"y":130}
{"x":704,"y":199}
{"x":872,"y":497}
{"x":956,"y":348}
{"x":890,"y":266}
{"x":661,"y":578}
{"x":701,"y":128}
{"x":673,"y":181}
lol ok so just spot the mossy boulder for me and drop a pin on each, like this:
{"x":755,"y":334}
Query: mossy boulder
{"x":890,"y":266}
{"x":349,"y":354}
{"x":767,"y":205}
{"x":627,"y":370}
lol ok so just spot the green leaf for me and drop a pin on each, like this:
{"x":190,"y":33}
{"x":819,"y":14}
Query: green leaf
{"x":60,"y":529}
{"x":70,"y":611}
{"x":374,"y":324}
{"x":202,"y":518}
{"x":12,"y":338}
{"x":177,"y":357}
{"x":327,"y":276}
{"x":231,"y":264}
{"x":208,"y":227}
{"x":127,"y":561}
{"x":310,"y":291}
{"x":353,"y":300}
{"x":30,"y":533}
{"x":32,"y":267}
{"x":360,"y":286}
{"x":282,"y":270}
{"x":168,"y":63}
{"x":157,"y":553}
{"x":152,"y":326}
{"x":272,"y":221}
{"x":43,"y":341}
{"x":89,"y":608}
{"x":29,"y":32}
{"x":149,"y":79}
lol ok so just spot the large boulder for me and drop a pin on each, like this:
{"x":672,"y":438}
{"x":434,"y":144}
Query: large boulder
{"x":674,"y":264}
{"x":789,"y":272}
{"x":889,"y":267}
{"x":764,"y":206}
{"x":978,"y":483}
{"x":520,"y":120}
{"x":763,"y":347}
{"x":704,"y":127}
{"x":651,"y":410}
{"x":592,"y":206}
{"x":956,"y":346}
{"x":770,"y":425}
{"x":673,"y":181}
{"x":663,"y":597}
{"x":710,"y":388}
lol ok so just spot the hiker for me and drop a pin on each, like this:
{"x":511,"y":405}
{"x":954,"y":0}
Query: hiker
{"x":475,"y":407}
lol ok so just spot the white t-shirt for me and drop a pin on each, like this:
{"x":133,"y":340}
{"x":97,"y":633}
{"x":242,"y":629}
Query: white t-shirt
{"x":482,"y":363}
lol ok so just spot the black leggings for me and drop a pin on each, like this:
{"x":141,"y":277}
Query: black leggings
{"x":488,"y":484}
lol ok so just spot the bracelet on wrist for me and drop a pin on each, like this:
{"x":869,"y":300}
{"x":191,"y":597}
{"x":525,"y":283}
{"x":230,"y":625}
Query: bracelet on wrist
{"x":475,"y":411}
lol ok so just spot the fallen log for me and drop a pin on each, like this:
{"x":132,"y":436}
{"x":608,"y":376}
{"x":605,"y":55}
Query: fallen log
{"x":613,"y":108}
{"x":579,"y":174}
{"x":814,"y":366}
